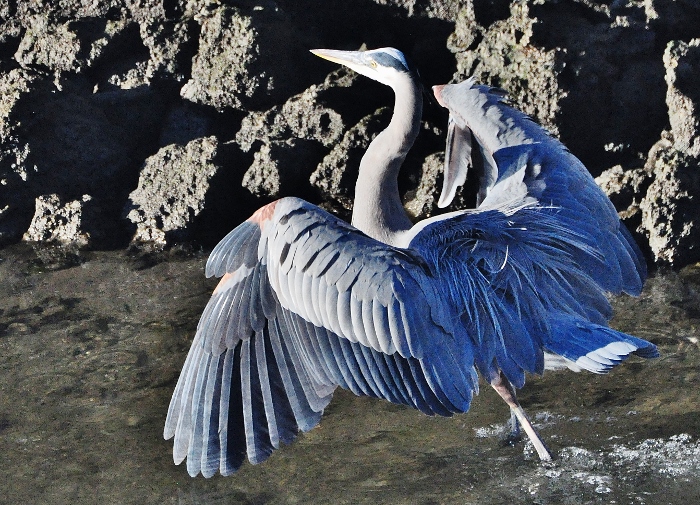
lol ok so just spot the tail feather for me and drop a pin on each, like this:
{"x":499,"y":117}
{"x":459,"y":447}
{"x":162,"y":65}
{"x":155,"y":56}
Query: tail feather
{"x":593,"y":347}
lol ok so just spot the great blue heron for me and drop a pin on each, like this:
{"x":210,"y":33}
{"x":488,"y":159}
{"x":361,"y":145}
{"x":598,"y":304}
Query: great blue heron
{"x":406,"y":312}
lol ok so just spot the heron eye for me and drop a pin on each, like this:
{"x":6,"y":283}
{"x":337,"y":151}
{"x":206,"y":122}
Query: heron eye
{"x":373,"y":64}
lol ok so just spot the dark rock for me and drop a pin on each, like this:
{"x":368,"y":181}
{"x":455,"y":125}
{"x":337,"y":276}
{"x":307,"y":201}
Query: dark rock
{"x":682,"y":61}
{"x":53,"y":47}
{"x":13,"y":85}
{"x":58,"y":222}
{"x":263,"y":178}
{"x":246,"y":59}
{"x":281,"y":155}
{"x":584,"y":82}
{"x":625,"y":188}
{"x":182,"y":124}
{"x":14,"y":171}
{"x":299,"y":117}
{"x":221,"y":76}
{"x":422,"y":202}
{"x":440,"y":9}
{"x":70,"y":9}
{"x":502,"y":54}
{"x":677,"y":19}
{"x":91,"y":93}
{"x":670,"y":211}
{"x":171,"y":48}
{"x":172,"y":191}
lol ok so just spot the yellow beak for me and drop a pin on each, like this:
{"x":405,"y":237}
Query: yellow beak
{"x":348,"y":58}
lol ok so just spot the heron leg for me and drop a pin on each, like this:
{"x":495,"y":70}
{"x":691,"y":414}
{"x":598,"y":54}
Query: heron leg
{"x":515,"y":435}
{"x":505,"y":390}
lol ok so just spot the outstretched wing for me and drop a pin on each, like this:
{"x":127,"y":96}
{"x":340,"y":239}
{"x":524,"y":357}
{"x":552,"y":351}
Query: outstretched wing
{"x":530,"y":265}
{"x":524,"y":164}
{"x":515,"y":276}
{"x":307,"y":303}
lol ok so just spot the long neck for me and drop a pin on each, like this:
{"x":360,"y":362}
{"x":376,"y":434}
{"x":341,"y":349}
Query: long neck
{"x":378,"y":210}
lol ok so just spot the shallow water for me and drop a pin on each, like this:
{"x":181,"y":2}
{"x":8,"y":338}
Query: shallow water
{"x":91,"y":345}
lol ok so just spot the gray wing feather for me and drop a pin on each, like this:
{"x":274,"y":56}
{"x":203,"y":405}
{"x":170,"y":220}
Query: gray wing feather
{"x":270,"y":414}
{"x":343,"y":308}
{"x":458,"y":161}
{"x":256,"y":315}
{"x":397,"y":327}
{"x":331,"y":304}
{"x":315,"y":308}
{"x":528,"y":166}
{"x":210,"y":418}
{"x":368,"y":323}
{"x":194,"y":452}
{"x":226,"y":375}
{"x":247,"y":392}
{"x":305,"y":395}
{"x":358,"y":326}
{"x":308,"y":298}
{"x":324,"y":292}
{"x":382,"y":329}
{"x":306,"y":303}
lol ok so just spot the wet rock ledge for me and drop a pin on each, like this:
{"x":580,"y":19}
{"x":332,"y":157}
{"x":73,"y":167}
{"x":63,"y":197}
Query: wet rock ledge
{"x":169,"y":121}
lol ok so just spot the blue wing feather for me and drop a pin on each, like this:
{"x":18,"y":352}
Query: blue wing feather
{"x":308,"y":303}
{"x":551,"y":176}
{"x":593,"y":347}
{"x":258,"y":372}
{"x":509,"y":270}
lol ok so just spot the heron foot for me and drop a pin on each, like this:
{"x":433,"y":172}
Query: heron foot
{"x":506,"y":391}
{"x":515,"y":435}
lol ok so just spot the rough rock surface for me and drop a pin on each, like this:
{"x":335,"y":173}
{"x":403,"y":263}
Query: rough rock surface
{"x":172,"y":190}
{"x":58,"y":222}
{"x":220,"y":70}
{"x":682,"y":60}
{"x":670,"y":210}
{"x":244,"y":58}
{"x":503,"y":55}
{"x":660,"y":200}
{"x":105,"y":98}
{"x":289,"y":137}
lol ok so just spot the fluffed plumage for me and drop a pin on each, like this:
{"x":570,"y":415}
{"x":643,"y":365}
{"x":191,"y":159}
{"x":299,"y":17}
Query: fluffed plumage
{"x":307,"y":302}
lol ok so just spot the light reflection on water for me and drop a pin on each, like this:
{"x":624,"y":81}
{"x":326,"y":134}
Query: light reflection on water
{"x":91,"y":346}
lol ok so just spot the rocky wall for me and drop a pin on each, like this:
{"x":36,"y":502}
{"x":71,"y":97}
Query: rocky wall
{"x":157,"y":122}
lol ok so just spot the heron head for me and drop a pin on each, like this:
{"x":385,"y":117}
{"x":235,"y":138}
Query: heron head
{"x":384,"y":65}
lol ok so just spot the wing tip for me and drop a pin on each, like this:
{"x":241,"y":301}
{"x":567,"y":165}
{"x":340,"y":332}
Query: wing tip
{"x":594,"y":347}
{"x":604,"y":359}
